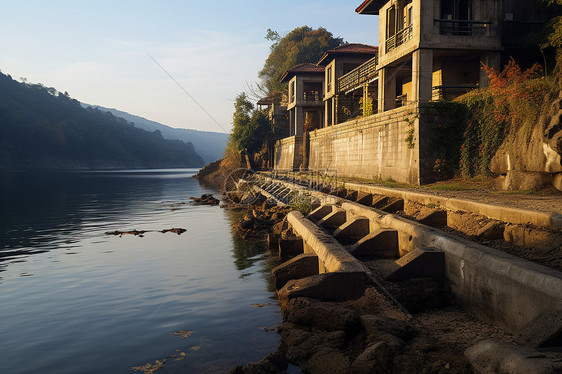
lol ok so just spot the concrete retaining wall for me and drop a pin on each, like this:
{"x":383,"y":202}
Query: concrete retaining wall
{"x":288,"y":153}
{"x":369,"y":147}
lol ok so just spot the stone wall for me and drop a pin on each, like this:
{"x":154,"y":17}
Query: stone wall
{"x":288,"y":153}
{"x":370,"y":147}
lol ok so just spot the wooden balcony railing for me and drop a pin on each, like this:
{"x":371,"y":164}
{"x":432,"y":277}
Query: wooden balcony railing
{"x":400,"y":38}
{"x":358,"y":76}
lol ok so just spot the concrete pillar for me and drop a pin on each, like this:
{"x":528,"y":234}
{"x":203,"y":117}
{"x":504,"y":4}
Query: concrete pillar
{"x":291,"y":122}
{"x":326,"y":113}
{"x":387,"y":89}
{"x":334,"y":111}
{"x":299,"y":120}
{"x":365,"y":96}
{"x":422,"y":75}
{"x":490,"y":59}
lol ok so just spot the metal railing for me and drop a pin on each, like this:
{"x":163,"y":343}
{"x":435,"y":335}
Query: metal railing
{"x":449,"y":92}
{"x":361,"y":74}
{"x":311,"y":96}
{"x":462,"y":27}
{"x":400,"y":38}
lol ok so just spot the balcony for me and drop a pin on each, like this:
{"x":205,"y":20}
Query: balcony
{"x":311,"y":96}
{"x":400,"y":38}
{"x":462,"y":27}
{"x":358,"y":76}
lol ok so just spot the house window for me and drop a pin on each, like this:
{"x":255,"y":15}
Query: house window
{"x":391,"y":22}
{"x":458,"y":12}
{"x":456,"y":9}
{"x":329,"y":80}
{"x":292,"y":92}
{"x":408,"y":16}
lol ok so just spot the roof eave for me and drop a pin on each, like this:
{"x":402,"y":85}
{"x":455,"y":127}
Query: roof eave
{"x":370,"y":6}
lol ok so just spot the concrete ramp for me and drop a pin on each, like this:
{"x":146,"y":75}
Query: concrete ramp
{"x":420,"y":263}
{"x":320,"y":212}
{"x":379,"y":243}
{"x":289,"y":248}
{"x":301,"y":266}
{"x":333,"y":220}
{"x":393,"y":206}
{"x":353,"y":230}
{"x":365,"y":199}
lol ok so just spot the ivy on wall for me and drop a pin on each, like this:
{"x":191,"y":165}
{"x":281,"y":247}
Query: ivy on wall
{"x":513,"y":100}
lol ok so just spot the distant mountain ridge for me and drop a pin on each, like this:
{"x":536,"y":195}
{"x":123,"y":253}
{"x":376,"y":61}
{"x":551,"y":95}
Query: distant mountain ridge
{"x":41,"y":128}
{"x":209,"y":145}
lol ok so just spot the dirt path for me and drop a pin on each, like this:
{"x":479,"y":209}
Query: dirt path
{"x":548,"y":201}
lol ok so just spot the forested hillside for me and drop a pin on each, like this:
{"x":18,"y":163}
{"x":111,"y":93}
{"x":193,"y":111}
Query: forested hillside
{"x":41,"y":128}
{"x":209,"y":145}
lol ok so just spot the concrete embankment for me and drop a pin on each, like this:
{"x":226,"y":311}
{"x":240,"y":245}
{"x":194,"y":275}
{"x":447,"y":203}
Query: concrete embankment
{"x":502,"y":288}
{"x":351,"y":250}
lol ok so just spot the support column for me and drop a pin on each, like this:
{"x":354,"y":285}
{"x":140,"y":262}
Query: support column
{"x":299,"y":120}
{"x":365,"y":96}
{"x":387,"y":89}
{"x":326,"y":113}
{"x":334,"y":111}
{"x":490,"y":59}
{"x":291,"y":122}
{"x":422,"y":75}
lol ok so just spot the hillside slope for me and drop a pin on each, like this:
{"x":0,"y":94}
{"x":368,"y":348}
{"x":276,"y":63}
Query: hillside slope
{"x":210,"y":145}
{"x":41,"y":128}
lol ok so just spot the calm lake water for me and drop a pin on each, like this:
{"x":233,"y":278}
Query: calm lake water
{"x":75,"y":300}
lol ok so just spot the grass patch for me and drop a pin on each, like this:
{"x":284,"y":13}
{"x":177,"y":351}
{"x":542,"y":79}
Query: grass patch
{"x":389,"y":182}
{"x":450,"y":187}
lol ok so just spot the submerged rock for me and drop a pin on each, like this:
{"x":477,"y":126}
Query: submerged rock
{"x":205,"y":199}
{"x":275,"y":363}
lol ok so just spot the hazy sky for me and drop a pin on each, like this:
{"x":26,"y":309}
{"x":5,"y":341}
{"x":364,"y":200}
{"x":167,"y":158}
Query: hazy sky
{"x":99,"y":50}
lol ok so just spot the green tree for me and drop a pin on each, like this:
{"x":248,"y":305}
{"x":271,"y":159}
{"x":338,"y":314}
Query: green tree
{"x":251,"y":127}
{"x":302,"y":45}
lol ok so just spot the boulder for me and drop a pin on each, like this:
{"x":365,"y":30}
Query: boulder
{"x":377,"y":358}
{"x":274,"y":363}
{"x":496,"y":357}
{"x":531,"y":152}
{"x":299,"y":344}
{"x":327,"y":360}
{"x":376,"y":326}
{"x":334,"y":286}
{"x":327,"y":316}
{"x":524,"y":180}
{"x":545,"y":330}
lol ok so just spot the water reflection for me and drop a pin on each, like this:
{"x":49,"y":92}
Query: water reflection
{"x":46,"y":210}
{"x":113,"y":303}
{"x":247,"y":252}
